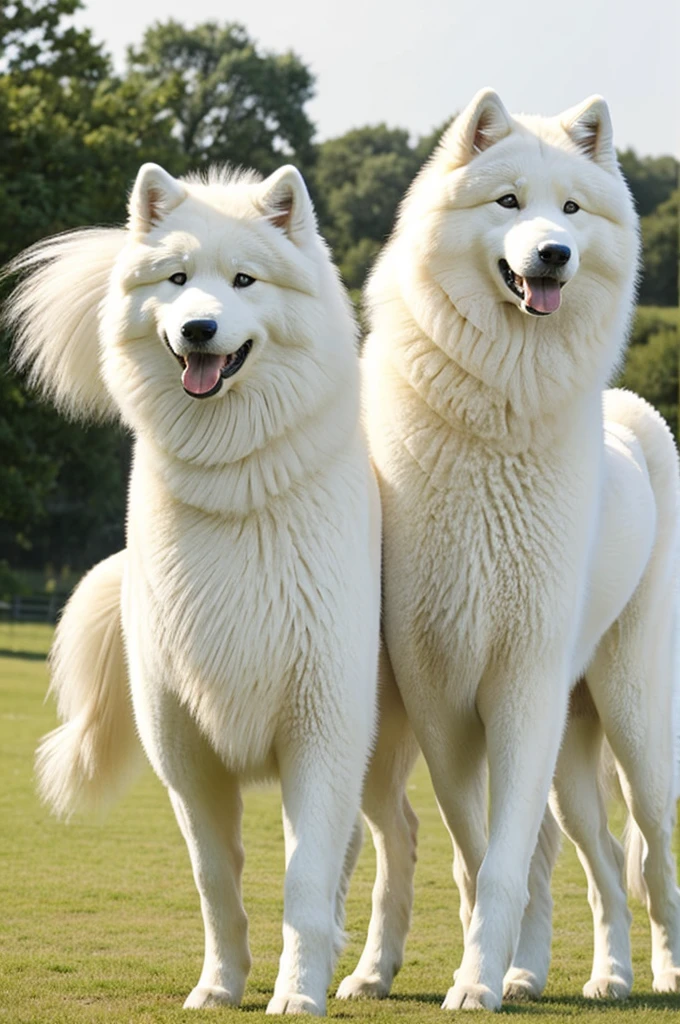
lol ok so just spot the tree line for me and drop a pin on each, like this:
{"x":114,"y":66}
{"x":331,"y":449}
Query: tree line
{"x":73,"y":132}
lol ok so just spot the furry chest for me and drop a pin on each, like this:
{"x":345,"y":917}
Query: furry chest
{"x":492,"y":558}
{"x":229,"y":618}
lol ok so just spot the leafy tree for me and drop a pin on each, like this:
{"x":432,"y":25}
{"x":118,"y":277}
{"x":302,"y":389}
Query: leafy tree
{"x":359,"y":180}
{"x":659,"y":286}
{"x":62,"y":486}
{"x":72,"y":136}
{"x":652,"y":179}
{"x":69,"y":147}
{"x":649,"y":320}
{"x":34,"y":35}
{"x":654,"y":184}
{"x":652,"y":371}
{"x":230,"y":102}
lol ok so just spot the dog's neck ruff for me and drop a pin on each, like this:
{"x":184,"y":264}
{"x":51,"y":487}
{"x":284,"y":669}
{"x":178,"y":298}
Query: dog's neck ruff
{"x":235,"y":474}
{"x":497,"y":378}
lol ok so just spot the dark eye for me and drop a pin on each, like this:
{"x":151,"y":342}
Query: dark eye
{"x":510,"y":202}
{"x":179,"y":279}
{"x":243,"y":281}
{"x":570,"y":207}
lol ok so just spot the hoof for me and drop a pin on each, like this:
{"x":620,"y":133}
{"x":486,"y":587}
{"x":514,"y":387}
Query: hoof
{"x":470,"y":997}
{"x":667,"y":981}
{"x":520,"y":986}
{"x":293,"y":1002}
{"x":355,"y":987}
{"x":607,"y":986}
{"x":203,"y":997}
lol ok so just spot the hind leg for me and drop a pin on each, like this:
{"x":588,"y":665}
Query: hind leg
{"x":631,"y":680}
{"x":351,"y":858}
{"x":528,"y":974}
{"x":393,"y":826}
{"x":457,"y":762}
{"x":581,"y":811}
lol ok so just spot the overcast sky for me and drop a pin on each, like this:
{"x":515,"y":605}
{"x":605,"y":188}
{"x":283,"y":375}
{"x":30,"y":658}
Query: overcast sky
{"x":414,"y":64}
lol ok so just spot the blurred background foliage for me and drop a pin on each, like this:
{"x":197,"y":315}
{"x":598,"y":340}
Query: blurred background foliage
{"x":73,"y":132}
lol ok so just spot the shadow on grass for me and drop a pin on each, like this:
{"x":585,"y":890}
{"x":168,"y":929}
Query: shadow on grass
{"x":417,"y":997}
{"x":260,"y":1007}
{"x":7,"y":652}
{"x":556,"y":1004}
{"x":649,"y":1001}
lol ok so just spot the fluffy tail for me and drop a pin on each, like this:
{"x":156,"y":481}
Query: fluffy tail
{"x":54,"y":314}
{"x":661,"y":457}
{"x":85,"y":763}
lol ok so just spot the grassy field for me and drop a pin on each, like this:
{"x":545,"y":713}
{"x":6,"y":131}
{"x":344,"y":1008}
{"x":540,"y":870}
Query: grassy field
{"x":26,"y":638}
{"x":101,"y":922}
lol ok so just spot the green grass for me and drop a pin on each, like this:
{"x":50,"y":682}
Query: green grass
{"x":29,"y":638}
{"x":651,"y":319}
{"x":101,"y":922}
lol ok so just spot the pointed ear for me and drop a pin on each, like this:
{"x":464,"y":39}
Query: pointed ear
{"x":285,"y":201}
{"x":154,"y":195}
{"x":589,"y":126}
{"x":482,"y":124}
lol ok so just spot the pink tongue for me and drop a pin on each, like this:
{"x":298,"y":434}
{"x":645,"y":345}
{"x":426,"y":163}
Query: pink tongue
{"x":202,"y":372}
{"x":542,"y":294}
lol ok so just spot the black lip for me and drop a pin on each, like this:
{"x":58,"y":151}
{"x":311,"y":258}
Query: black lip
{"x":537,"y":312}
{"x":172,"y":351}
{"x":239,"y":358}
{"x":508,"y":276}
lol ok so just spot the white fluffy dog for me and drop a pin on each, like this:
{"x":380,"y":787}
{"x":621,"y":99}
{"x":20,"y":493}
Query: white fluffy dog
{"x":530,"y":548}
{"x":215,"y":326}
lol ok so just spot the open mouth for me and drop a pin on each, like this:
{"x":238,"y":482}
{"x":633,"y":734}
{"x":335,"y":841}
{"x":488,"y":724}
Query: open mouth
{"x":539,"y":296}
{"x":204,"y":371}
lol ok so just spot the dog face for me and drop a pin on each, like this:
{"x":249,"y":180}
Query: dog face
{"x":213,"y":323}
{"x":214,"y":270}
{"x":223,"y":300}
{"x":211,"y":277}
{"x":530,"y":213}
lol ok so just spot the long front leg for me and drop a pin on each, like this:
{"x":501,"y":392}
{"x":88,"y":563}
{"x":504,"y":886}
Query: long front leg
{"x":210,"y":823}
{"x":524,"y":716}
{"x":207,"y":803}
{"x":321,"y":779}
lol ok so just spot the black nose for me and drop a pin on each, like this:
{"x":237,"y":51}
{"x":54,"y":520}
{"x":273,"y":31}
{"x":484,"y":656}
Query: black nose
{"x":553,"y":254}
{"x":198,"y":331}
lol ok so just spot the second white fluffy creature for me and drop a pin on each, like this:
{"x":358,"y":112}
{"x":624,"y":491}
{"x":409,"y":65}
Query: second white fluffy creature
{"x":530,"y":550}
{"x":216,"y":328}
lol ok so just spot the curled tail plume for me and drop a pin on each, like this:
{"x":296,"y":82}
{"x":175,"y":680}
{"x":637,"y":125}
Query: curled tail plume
{"x":84,"y":764}
{"x":661,"y":458}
